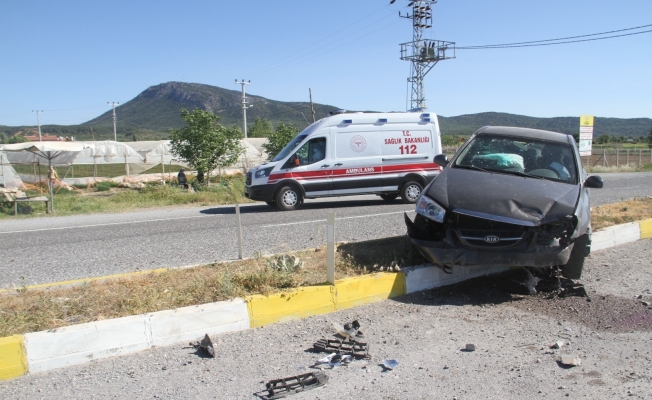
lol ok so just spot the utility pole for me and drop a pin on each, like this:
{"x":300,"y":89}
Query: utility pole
{"x":38,"y":121}
{"x":423,"y":53}
{"x":244,"y":105}
{"x":115,"y":119}
{"x":312,"y":106}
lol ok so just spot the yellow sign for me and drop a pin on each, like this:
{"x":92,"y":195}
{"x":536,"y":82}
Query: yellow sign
{"x":586,"y":120}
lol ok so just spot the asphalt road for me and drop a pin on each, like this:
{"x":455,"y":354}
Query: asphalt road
{"x":426,"y":333}
{"x":44,"y":250}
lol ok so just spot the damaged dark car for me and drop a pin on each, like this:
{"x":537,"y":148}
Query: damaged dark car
{"x":509,"y":197}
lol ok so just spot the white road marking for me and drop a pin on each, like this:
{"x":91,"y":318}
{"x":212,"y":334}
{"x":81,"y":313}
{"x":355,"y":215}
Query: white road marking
{"x":323,"y":220}
{"x":106,"y":224}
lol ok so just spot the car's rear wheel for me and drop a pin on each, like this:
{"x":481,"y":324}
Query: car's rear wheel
{"x":411,"y":191}
{"x":581,"y":249}
{"x":288,"y":198}
{"x":389,"y":197}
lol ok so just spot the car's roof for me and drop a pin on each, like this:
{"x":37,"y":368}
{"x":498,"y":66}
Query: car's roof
{"x":524,"y":132}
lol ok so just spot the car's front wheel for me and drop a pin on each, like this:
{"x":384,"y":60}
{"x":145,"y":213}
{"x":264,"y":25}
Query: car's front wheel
{"x":411,"y":191}
{"x":581,"y":249}
{"x":288,"y":198}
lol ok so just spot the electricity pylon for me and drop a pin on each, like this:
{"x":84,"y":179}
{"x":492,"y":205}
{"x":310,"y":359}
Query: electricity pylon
{"x":423,"y":53}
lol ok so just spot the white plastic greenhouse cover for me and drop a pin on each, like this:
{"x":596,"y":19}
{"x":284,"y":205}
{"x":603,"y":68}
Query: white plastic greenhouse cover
{"x":8,"y":176}
{"x":98,"y":152}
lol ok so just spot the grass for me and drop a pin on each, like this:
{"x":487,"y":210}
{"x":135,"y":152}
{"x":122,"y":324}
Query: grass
{"x":26,"y":310}
{"x":621,"y":168}
{"x":636,"y":209}
{"x":106,"y":197}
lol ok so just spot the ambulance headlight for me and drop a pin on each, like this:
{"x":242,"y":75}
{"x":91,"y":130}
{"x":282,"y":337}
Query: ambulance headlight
{"x":430,"y":209}
{"x":262,"y":173}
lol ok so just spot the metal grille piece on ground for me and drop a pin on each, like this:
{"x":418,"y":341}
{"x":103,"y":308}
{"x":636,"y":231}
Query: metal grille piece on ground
{"x":279,"y":388}
{"x":346,"y":346}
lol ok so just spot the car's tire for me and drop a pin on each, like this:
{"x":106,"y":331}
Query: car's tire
{"x":388,"y":197}
{"x":288,"y":198}
{"x":581,"y":249}
{"x":410,"y":192}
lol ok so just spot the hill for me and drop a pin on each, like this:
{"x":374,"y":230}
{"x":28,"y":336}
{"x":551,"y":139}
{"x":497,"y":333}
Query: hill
{"x":158,"y":108}
{"x":467,"y":124}
{"x":155,"y":111}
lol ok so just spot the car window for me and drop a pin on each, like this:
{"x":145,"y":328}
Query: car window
{"x":538,"y":158}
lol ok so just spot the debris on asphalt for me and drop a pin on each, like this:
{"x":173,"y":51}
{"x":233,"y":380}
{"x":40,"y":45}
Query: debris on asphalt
{"x":350,"y":329}
{"x":390,"y":364}
{"x":335,"y":360}
{"x":530,"y":282}
{"x":645,"y":303}
{"x":279,"y":388}
{"x":469,"y":347}
{"x":571,"y":288}
{"x":343,"y":347}
{"x":206,"y":346}
{"x":571,"y":360}
{"x":557,"y":345}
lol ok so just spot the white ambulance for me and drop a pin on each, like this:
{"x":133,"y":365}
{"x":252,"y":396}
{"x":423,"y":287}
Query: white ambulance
{"x":388,"y":154}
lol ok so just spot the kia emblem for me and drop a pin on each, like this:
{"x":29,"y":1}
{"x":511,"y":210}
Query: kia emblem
{"x":491,"y":239}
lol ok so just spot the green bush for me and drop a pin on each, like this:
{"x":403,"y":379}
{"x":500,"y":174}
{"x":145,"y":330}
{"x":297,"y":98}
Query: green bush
{"x":103,"y":186}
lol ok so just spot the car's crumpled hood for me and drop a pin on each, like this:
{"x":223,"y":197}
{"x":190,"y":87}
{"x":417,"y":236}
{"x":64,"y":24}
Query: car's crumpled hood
{"x":527,"y":201}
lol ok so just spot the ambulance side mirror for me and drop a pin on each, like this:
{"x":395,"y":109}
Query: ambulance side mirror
{"x":441,"y":160}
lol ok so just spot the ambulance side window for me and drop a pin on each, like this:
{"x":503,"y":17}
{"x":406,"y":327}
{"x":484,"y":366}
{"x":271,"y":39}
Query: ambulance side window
{"x":312,"y":151}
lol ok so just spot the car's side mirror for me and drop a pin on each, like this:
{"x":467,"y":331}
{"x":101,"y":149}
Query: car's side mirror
{"x":594,"y":182}
{"x":441,"y":160}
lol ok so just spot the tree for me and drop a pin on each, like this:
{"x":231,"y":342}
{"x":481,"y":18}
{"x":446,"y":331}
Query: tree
{"x":204,"y":144}
{"x":16,"y":139}
{"x":279,"y":138}
{"x":262,"y":128}
{"x":604,"y":139}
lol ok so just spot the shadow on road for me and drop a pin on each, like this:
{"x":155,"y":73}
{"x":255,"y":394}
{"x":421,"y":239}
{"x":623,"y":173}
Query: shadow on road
{"x":485,"y":290}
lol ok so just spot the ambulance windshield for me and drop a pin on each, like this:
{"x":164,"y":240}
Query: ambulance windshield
{"x":290,"y":147}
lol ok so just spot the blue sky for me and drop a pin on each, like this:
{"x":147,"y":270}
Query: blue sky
{"x":69,"y":58}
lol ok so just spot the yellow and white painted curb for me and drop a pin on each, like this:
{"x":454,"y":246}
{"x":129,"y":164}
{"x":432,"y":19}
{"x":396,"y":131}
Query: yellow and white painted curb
{"x":78,"y":344}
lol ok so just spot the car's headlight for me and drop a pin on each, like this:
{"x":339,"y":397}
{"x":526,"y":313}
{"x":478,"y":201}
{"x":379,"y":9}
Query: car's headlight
{"x":263,"y":172}
{"x":430,"y":209}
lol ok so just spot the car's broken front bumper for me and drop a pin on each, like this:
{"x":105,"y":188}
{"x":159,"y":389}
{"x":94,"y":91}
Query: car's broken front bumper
{"x":447,"y":251}
{"x":541,"y":256}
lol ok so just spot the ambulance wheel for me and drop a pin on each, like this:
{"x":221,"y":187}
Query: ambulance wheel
{"x":389,"y":197}
{"x":411,"y":191}
{"x":288,"y":198}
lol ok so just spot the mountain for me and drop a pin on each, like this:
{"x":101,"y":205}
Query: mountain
{"x":467,"y":124}
{"x":155,"y":111}
{"x":158,"y":108}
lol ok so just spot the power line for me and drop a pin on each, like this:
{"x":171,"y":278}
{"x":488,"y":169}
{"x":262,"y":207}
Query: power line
{"x":282,"y":67}
{"x":565,"y":40}
{"x":322,"y":39}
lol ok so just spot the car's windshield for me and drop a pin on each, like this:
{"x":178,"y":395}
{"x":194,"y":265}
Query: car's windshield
{"x":290,"y":146}
{"x":520,"y":156}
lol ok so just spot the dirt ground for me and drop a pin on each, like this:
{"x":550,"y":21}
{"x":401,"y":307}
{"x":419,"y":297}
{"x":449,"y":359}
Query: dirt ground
{"x":610,"y":331}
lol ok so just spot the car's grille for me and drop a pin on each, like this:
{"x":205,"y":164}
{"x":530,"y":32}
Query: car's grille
{"x":248,"y":179}
{"x":486,"y":233}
